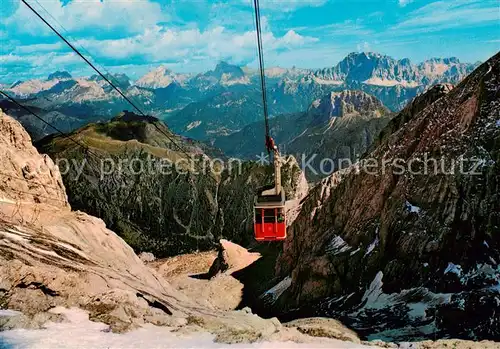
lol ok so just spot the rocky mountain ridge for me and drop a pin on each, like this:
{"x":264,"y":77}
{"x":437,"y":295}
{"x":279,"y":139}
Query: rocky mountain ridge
{"x":175,"y":97}
{"x":53,"y":258}
{"x":380,"y":70}
{"x":339,"y":126}
{"x":404,"y":254}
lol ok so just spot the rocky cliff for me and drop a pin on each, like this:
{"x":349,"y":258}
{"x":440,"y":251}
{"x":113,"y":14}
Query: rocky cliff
{"x":406,"y":243}
{"x":153,"y":195}
{"x":52,"y":256}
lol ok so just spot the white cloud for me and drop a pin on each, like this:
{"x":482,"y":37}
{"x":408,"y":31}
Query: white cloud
{"x":38,"y":48}
{"x":363,"y":47}
{"x":286,"y":5}
{"x":22,"y":67}
{"x":403,"y":3}
{"x":157,"y":44}
{"x":78,"y":15}
{"x":346,"y":28}
{"x":449,"y":14}
{"x":305,"y":57}
{"x":40,"y":60}
{"x":292,"y":38}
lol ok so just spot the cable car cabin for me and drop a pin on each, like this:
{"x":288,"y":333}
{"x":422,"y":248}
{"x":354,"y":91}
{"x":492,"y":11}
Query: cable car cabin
{"x":269,"y":217}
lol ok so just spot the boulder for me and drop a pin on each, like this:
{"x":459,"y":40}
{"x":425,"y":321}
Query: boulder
{"x":231,"y":257}
{"x":147,"y":257}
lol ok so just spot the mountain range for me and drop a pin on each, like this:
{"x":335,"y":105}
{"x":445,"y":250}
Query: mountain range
{"x":225,"y":100}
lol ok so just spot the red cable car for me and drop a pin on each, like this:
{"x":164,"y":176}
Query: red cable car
{"x":270,"y":217}
{"x":269,"y":206}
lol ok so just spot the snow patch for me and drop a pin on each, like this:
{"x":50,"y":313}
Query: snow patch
{"x":373,"y":293}
{"x":375,"y":299}
{"x":80,"y":332}
{"x":355,"y":251}
{"x":278,"y":289}
{"x":193,"y":124}
{"x":9,"y":313}
{"x":372,"y":246}
{"x":327,"y":82}
{"x":411,"y":208}
{"x":452,"y":268}
{"x":337,"y":246}
{"x":390,"y":83}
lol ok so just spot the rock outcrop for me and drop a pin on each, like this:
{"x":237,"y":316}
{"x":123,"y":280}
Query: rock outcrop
{"x":231,"y":257}
{"x":52,"y":256}
{"x":400,"y":246}
{"x":25,"y":175}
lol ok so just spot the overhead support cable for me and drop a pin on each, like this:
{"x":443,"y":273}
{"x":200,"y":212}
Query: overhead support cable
{"x":64,"y":135}
{"x":169,"y":137}
{"x":262,"y":70}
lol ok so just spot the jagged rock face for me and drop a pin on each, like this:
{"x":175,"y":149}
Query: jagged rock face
{"x":418,"y":104}
{"x":26,"y":176}
{"x":394,"y":82}
{"x":388,"y":249}
{"x":366,"y":66}
{"x":339,"y":126}
{"x":122,"y":81}
{"x":448,"y":70}
{"x":380,"y":70}
{"x":338,"y":104}
{"x":154,"y":204}
{"x":224,"y":68}
{"x":50,"y":256}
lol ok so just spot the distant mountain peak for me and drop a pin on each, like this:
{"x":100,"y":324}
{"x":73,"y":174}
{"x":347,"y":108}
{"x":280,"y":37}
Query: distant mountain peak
{"x":231,"y":69}
{"x":450,"y":60}
{"x":161,"y":77}
{"x":58,"y":75}
{"x":339,"y":104}
{"x":163,"y":69}
{"x":127,"y":116}
{"x":375,"y":69}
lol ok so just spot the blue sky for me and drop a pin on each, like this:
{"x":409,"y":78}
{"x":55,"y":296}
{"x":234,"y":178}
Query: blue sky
{"x":132,"y":36}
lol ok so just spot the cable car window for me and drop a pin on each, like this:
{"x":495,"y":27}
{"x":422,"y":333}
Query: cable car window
{"x":281,"y":218}
{"x":258,"y":215}
{"x":269,"y":215}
